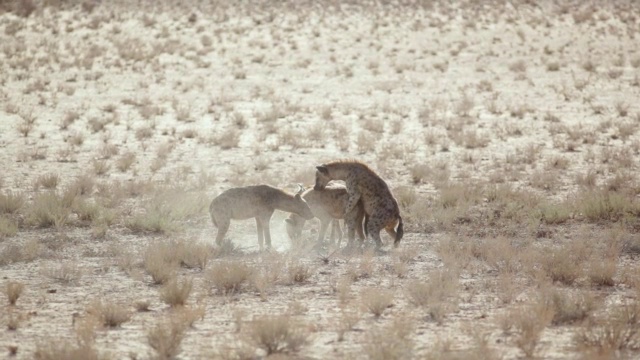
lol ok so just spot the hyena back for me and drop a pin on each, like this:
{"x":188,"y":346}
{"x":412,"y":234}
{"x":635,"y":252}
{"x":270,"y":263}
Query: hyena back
{"x":259,"y":202}
{"x":328,"y":205}
{"x":364,"y":185}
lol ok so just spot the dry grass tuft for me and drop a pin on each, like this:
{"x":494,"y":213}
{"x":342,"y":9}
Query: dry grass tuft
{"x":298,"y":272}
{"x":438,"y":294}
{"x":176,"y":293}
{"x":160,"y":262}
{"x":390,"y":342}
{"x":13,"y":290}
{"x":165,"y":338}
{"x":65,"y":273}
{"x":55,"y":349}
{"x":228,"y":277}
{"x":109,"y":314}
{"x":618,"y":330}
{"x":276,"y":334}
{"x":11,"y":202}
{"x":376,"y":300}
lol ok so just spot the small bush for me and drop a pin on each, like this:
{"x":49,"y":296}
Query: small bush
{"x":109,"y":314}
{"x":47,"y":181}
{"x":376,"y":300}
{"x":55,"y":349}
{"x":13,"y":290}
{"x":617,"y":330}
{"x":160,"y":262}
{"x":391,"y":342}
{"x":11,"y":202}
{"x":298,"y":272}
{"x":438,"y":294}
{"x":65,"y":273}
{"x":229,"y":276}
{"x":49,"y":209}
{"x":8,"y":227}
{"x":176,"y":293}
{"x":165,"y":338}
{"x":276,"y":334}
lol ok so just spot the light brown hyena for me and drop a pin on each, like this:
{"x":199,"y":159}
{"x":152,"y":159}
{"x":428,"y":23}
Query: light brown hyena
{"x":363,"y":184}
{"x":328,"y":206}
{"x":257,"y":202}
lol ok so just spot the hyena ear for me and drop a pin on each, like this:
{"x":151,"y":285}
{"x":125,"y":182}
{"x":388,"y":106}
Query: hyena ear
{"x":323,"y":169}
{"x":290,"y":221}
{"x":300,"y":188}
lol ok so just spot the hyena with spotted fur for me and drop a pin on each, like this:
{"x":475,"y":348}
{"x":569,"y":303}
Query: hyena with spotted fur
{"x":364,"y":185}
{"x":328,"y":205}
{"x":259,"y":202}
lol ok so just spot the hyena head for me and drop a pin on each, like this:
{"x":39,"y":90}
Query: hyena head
{"x":302,"y":208}
{"x":322,"y":177}
{"x":294,"y":224}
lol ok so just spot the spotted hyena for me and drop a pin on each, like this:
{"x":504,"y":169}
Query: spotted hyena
{"x":364,"y":185}
{"x":328,"y":206}
{"x":257,"y":202}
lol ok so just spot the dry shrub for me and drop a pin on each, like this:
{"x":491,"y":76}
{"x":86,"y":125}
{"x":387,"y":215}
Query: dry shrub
{"x":160,"y":262}
{"x":528,"y":322}
{"x":109,"y":314}
{"x":602,"y":271}
{"x":65,"y":273}
{"x":11,"y":202}
{"x":167,"y":210}
{"x":568,"y":307}
{"x":439,"y":294}
{"x":604,"y":205}
{"x":348,"y":319}
{"x":390,"y":342}
{"x":13,"y":290}
{"x":50,"y":209}
{"x":13,"y":253}
{"x":563,"y":265}
{"x":617,"y":330}
{"x":228,"y":276}
{"x":176,"y":293}
{"x":298,"y":272}
{"x":276,"y":334}
{"x":194,"y":255}
{"x":55,"y":349}
{"x":8,"y":228}
{"x":47,"y":181}
{"x":125,"y":161}
{"x":165,"y":338}
{"x":376,"y":300}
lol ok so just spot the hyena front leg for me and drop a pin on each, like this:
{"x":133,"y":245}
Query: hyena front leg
{"x":266,"y":219}
{"x":352,"y":201}
{"x":260,"y":228}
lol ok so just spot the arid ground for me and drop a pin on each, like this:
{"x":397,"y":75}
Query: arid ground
{"x":507,"y":131}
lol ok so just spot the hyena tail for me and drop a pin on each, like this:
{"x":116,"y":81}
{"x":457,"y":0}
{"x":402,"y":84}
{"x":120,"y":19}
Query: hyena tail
{"x":399,"y":232}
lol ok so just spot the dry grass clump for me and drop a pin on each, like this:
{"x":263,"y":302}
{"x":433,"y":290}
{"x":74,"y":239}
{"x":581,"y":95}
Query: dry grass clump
{"x":601,"y":272}
{"x":438,"y":294}
{"x":13,"y":290}
{"x":125,"y":161}
{"x":176,"y":293}
{"x":376,"y":300}
{"x":617,"y":330}
{"x":276,"y":334}
{"x":8,"y":227}
{"x":47,"y":181}
{"x":49,"y":209}
{"x":564,"y":264}
{"x":528,"y":323}
{"x":298,"y":272}
{"x":228,"y":277}
{"x":109,"y":314}
{"x":65,"y":273}
{"x":390,"y":342}
{"x":604,"y":205}
{"x":167,"y":210}
{"x":56,"y":349}
{"x":160,"y":261}
{"x":165,"y":338}
{"x":193,"y":254}
{"x":568,"y":307}
{"x":11,"y":202}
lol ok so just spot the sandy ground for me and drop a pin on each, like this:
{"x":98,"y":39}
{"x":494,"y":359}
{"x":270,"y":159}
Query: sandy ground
{"x":532,"y":96}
